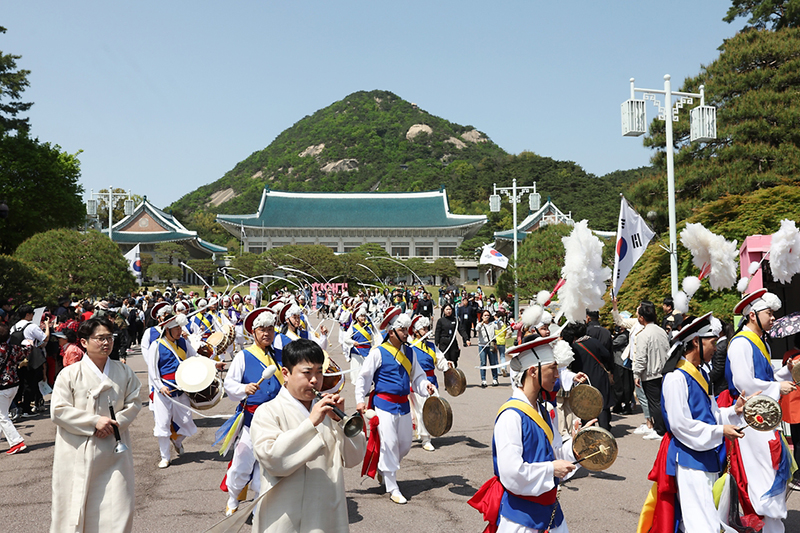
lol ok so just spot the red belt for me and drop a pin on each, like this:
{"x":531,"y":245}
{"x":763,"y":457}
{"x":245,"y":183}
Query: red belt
{"x":363,"y":346}
{"x":251,"y":408}
{"x":487,"y":501}
{"x":394,"y":398}
{"x":169,"y":377}
{"x":429,"y":373}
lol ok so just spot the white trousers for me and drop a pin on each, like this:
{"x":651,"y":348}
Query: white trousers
{"x":697,"y":501}
{"x":395,"y":432}
{"x":10,"y":432}
{"x":356,"y":361}
{"x":417,"y":402}
{"x":243,"y":467}
{"x":757,"y":462}
{"x":165,"y":411}
{"x":507,"y":526}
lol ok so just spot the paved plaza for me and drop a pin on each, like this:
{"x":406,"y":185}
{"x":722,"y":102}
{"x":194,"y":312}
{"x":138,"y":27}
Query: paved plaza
{"x":186,"y":497}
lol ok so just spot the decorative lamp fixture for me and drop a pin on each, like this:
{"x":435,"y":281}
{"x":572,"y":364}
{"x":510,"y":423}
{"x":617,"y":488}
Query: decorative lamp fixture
{"x":535,"y":201}
{"x":634,"y":118}
{"x":703,"y":123}
{"x":91,"y":207}
{"x":494,"y":203}
{"x":129,"y":207}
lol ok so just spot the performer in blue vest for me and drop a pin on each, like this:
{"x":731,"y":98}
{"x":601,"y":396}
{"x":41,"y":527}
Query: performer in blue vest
{"x":203,"y":322}
{"x":393,"y":369}
{"x":696,"y":427}
{"x":425,"y":353}
{"x":530,"y":456}
{"x":241,"y":386}
{"x":358,"y":340}
{"x":749,"y":368}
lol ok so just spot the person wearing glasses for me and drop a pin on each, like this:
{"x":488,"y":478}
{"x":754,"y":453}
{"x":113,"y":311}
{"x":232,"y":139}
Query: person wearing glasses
{"x":93,"y":487}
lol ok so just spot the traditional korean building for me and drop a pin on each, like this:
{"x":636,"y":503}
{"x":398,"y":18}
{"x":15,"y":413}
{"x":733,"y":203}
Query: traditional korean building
{"x":547,"y":214}
{"x":405,"y":224}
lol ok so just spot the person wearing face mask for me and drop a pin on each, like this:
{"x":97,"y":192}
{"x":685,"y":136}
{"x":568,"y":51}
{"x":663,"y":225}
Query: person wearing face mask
{"x":393,"y":369}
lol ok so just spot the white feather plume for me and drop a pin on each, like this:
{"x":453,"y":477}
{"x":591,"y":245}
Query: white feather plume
{"x":690,"y":285}
{"x":772,"y":301}
{"x":584,"y":274}
{"x":784,"y":252}
{"x":542,"y":297}
{"x":742,"y":285}
{"x":714,"y":251}
{"x":753,"y":268}
{"x":681,"y":302}
{"x":531,"y":316}
{"x":562,"y":352}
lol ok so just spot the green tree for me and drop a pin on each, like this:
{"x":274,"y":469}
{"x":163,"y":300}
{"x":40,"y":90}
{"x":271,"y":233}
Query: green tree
{"x":171,"y":253}
{"x":26,"y":283}
{"x":445,"y":268}
{"x":317,"y":261}
{"x":770,"y":14}
{"x":205,"y":267}
{"x":119,"y":206}
{"x":84,"y":264}
{"x":12,"y":83}
{"x":250,"y":264}
{"x":164,"y":272}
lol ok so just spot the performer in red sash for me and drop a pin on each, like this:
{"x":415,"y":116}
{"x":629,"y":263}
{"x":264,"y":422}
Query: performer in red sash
{"x":530,"y":458}
{"x":393,"y":369}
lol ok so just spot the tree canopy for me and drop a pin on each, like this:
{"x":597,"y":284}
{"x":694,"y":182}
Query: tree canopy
{"x":769,"y":14}
{"x":12,"y":83}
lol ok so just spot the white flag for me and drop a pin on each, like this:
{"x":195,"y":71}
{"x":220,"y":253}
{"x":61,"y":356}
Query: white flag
{"x":633,"y":235}
{"x":490,"y":256}
{"x":134,"y":262}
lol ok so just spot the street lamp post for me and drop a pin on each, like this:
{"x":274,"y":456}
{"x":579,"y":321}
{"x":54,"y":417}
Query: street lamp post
{"x":703,"y":128}
{"x":515,"y":196}
{"x":111,"y":196}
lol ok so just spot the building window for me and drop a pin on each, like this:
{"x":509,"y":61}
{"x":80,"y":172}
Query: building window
{"x":447,"y":249}
{"x":400,"y":248}
{"x":473,"y":275}
{"x":332,"y":245}
{"x":350,"y":246}
{"x":279,"y":244}
{"x":256,"y":249}
{"x":423,"y":249}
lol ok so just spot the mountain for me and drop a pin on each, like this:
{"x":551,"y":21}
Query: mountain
{"x":376,"y":141}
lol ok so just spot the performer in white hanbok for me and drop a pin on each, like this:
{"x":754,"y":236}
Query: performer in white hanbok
{"x":425,"y":352}
{"x":394,"y":369}
{"x":289,"y":316}
{"x":748,"y":368}
{"x":696,"y":427}
{"x":358,"y":341}
{"x":303,"y":451}
{"x":242,"y":386}
{"x":93,"y":488}
{"x":530,"y":458}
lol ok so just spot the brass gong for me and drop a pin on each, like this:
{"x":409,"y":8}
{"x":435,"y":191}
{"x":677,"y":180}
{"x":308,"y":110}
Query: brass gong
{"x":585,"y":401}
{"x":437,"y":416}
{"x":762,"y":413}
{"x":597,"y":445}
{"x":796,"y":371}
{"x":455,"y":382}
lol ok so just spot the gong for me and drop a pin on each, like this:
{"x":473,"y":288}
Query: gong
{"x":437,"y":416}
{"x":455,"y":382}
{"x":585,"y":401}
{"x":595,"y":448}
{"x":796,"y":371}
{"x":762,"y":413}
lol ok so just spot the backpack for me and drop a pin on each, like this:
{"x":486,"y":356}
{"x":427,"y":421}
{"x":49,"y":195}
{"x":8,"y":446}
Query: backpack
{"x":18,"y":335}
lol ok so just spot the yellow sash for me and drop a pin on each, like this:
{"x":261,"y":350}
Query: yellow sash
{"x":693,"y":371}
{"x":399,"y":356}
{"x":532,"y":413}
{"x":422,"y":345}
{"x":266,"y":360}
{"x":755,"y":339}
{"x":363,"y":331}
{"x":179,"y":352}
{"x":206,"y":323}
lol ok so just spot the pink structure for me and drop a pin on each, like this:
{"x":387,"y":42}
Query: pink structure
{"x":753,"y":249}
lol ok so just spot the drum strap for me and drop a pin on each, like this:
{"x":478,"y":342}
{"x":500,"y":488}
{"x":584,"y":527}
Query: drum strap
{"x":532,"y":413}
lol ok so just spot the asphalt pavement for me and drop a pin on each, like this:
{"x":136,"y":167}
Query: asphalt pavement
{"x":186,"y":497}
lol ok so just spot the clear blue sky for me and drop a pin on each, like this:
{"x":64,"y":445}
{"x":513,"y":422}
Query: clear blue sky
{"x":163,"y":97}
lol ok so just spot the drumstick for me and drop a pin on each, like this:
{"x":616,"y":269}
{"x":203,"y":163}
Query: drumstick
{"x":268,"y":373}
{"x":603,"y":449}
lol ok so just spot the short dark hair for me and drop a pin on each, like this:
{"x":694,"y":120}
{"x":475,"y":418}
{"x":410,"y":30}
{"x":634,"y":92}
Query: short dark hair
{"x":647,"y":310}
{"x":300,"y":351}
{"x":89,"y":326}
{"x":573,"y":331}
{"x":594,"y":316}
{"x":669,"y":301}
{"x":25,"y":309}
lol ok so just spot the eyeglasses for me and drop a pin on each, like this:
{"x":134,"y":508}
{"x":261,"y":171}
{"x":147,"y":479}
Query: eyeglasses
{"x":104,"y":339}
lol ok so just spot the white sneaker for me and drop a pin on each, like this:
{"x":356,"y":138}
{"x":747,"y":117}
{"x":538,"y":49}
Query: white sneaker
{"x":397,"y":497}
{"x":163,"y":463}
{"x":641,"y":430}
{"x":652,"y":435}
{"x":428,"y":447}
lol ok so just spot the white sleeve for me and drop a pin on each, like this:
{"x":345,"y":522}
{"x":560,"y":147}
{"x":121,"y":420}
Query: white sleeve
{"x":151,"y":358}
{"x":517,"y":476}
{"x":441,"y":362}
{"x":372,"y":362}
{"x":320,"y":339}
{"x":419,"y":379}
{"x":693,"y":433}
{"x":740,"y":355}
{"x":567,"y":378}
{"x":233,"y":385}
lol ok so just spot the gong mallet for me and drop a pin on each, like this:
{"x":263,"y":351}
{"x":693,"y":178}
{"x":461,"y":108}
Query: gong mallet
{"x":352,"y":425}
{"x":120,"y":447}
{"x":266,"y":374}
{"x":603,"y":449}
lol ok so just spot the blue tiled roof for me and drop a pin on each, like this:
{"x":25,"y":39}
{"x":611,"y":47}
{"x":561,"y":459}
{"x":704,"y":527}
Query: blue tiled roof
{"x":280,"y":209}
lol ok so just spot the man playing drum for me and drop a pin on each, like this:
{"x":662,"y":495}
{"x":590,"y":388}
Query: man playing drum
{"x":425,"y":353}
{"x":393,"y":369}
{"x":530,"y":458}
{"x":241,"y":385}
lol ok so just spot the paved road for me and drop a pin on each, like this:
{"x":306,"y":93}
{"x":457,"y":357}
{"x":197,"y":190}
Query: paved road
{"x":186,"y":496}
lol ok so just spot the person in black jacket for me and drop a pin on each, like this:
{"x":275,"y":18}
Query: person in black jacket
{"x":623,"y":375}
{"x":464,"y":315}
{"x":596,"y":331}
{"x":445,"y":333}
{"x":591,"y":358}
{"x":717,"y":375}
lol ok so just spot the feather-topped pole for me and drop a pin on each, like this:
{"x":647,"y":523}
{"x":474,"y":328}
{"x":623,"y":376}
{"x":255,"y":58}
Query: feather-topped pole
{"x":712,"y":253}
{"x":584,"y":274}
{"x":784,"y":252}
